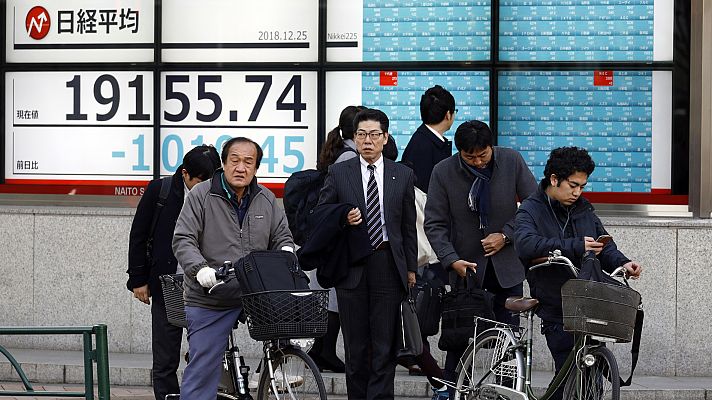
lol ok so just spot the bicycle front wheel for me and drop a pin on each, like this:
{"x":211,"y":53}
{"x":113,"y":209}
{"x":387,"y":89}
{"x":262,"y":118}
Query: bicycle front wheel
{"x":490,"y":351}
{"x":594,"y":377}
{"x":296,"y":377}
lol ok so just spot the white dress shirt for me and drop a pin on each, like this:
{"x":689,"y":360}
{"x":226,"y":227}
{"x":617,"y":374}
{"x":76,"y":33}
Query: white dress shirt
{"x":378,"y":174}
{"x":436,"y":133}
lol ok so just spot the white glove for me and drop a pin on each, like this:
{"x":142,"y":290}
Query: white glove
{"x":206,"y":277}
{"x":287,"y":248}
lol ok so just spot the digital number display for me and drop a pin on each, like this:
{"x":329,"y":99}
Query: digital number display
{"x":592,"y":30}
{"x":398,"y":93}
{"x":240,"y":31}
{"x":407,"y":30}
{"x":78,"y":126}
{"x":79,"y":31}
{"x":612,"y":114}
{"x":275,"y":109}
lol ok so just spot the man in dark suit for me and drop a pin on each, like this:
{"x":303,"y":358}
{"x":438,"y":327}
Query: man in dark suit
{"x":428,"y":145}
{"x":469,"y":217}
{"x":370,"y":295}
{"x":144,"y":268}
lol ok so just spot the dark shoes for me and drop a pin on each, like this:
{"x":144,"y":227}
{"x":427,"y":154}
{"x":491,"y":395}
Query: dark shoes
{"x":332,"y":363}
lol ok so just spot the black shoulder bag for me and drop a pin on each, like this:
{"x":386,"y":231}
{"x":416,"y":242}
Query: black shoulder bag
{"x":460,"y":307}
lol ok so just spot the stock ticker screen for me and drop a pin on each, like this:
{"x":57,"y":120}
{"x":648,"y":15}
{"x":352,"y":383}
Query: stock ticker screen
{"x":607,"y":113}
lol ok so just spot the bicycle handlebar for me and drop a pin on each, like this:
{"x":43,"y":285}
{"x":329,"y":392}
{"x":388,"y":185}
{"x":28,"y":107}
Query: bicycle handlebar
{"x":555,"y":257}
{"x":222,"y":274}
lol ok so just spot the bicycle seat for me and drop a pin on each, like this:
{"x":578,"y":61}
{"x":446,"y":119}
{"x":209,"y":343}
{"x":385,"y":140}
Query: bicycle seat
{"x":520,"y":304}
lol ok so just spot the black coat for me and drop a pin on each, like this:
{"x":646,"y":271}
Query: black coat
{"x":423,"y":151}
{"x":333,"y":246}
{"x":140,"y":270}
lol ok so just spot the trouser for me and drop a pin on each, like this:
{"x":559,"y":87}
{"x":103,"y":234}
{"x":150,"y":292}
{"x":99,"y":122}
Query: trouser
{"x":165,"y":346}
{"x":369,"y":316}
{"x":560,"y":344}
{"x":208,"y":332}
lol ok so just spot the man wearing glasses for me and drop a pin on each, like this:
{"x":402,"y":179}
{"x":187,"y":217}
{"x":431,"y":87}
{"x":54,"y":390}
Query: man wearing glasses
{"x":557,"y":217}
{"x":370,"y":295}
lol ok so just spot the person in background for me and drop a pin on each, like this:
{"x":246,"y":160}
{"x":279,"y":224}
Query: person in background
{"x":557,"y":217}
{"x":339,"y":146}
{"x":371,"y":292}
{"x":224,"y":218}
{"x":151,"y":255}
{"x":469,"y":217}
{"x":428,"y":145}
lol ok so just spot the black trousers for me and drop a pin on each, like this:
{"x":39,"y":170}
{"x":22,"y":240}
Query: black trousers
{"x":369,"y":316}
{"x":165,"y":345}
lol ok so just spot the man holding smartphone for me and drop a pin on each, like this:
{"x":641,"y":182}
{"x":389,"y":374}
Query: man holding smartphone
{"x":557,"y":217}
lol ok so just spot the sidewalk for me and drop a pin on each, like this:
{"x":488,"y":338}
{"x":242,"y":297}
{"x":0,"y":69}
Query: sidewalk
{"x":130,"y":378}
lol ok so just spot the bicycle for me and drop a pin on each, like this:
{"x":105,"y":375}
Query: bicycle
{"x":288,"y":372}
{"x":498,"y":362}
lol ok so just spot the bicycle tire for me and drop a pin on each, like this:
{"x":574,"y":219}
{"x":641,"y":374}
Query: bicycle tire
{"x":296,"y":377}
{"x":601,"y":381}
{"x":478,"y":358}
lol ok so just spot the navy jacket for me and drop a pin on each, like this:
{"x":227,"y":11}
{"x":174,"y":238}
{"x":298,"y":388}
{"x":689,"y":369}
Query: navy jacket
{"x":537,"y":232}
{"x":423,"y":151}
{"x":140,"y":270}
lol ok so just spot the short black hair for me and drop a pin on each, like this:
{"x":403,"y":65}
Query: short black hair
{"x":201,"y":162}
{"x":241,"y":139}
{"x":372,"y":114}
{"x":473,"y":135}
{"x":435,"y":103}
{"x":566,"y":161}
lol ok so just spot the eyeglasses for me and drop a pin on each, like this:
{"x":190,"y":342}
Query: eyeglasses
{"x":374,"y":135}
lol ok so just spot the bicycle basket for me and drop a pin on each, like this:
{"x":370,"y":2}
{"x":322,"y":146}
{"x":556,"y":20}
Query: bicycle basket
{"x":172,"y":288}
{"x":599,"y":309}
{"x":286,"y":314}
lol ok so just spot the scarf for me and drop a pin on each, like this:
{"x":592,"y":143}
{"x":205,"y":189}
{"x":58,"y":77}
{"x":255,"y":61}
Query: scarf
{"x":479,"y":196}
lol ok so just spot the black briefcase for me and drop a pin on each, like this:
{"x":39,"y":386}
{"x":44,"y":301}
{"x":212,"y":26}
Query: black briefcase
{"x":460,"y":307}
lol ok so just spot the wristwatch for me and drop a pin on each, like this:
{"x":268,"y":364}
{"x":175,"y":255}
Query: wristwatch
{"x":506,"y":239}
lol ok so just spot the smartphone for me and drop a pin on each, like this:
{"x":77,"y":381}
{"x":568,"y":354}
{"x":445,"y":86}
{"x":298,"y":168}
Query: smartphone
{"x":604,"y":239}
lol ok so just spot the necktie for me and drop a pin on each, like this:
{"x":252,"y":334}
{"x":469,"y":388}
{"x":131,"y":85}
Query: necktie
{"x":373,"y":210}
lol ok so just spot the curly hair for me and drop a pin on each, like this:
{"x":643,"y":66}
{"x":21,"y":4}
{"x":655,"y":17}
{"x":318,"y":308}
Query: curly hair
{"x":566,"y":161}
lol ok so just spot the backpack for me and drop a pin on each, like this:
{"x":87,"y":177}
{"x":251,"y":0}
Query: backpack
{"x":301,"y":193}
{"x":162,"y":197}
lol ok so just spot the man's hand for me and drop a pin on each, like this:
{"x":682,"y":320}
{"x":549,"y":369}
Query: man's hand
{"x":493,"y":243}
{"x":633,"y":269}
{"x":142,"y":293}
{"x":206,"y":277}
{"x":461,"y":267}
{"x":411,"y":279}
{"x":354,"y":217}
{"x":591,"y":244}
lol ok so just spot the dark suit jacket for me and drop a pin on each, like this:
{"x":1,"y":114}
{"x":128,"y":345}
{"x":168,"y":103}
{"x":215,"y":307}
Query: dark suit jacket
{"x":333,"y":245}
{"x":423,"y":151}
{"x":140,"y":270}
{"x":343,"y":185}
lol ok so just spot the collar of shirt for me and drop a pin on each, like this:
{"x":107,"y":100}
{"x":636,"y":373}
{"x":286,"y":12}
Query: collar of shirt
{"x":436,"y":133}
{"x":378,"y":174}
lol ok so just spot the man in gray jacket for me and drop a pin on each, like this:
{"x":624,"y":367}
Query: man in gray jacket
{"x":223,"y":219}
{"x":469,"y":217}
